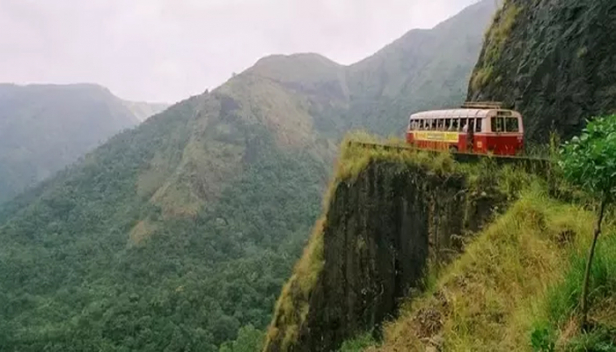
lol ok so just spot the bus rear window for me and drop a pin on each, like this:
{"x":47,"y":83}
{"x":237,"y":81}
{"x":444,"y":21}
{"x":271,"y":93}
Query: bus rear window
{"x":512,"y":125}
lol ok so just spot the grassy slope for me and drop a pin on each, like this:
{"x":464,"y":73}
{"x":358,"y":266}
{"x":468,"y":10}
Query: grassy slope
{"x":516,"y":288}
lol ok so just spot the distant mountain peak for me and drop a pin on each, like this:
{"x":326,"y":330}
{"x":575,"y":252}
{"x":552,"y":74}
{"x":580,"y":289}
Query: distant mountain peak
{"x":304,"y":67}
{"x":298,"y":58}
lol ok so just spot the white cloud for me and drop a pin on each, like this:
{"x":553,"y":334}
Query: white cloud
{"x":166,"y":50}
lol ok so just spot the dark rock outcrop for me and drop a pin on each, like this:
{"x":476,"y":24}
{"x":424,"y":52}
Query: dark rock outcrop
{"x":553,"y":60}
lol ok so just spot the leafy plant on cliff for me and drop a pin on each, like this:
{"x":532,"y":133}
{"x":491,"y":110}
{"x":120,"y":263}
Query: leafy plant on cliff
{"x":590,"y":162}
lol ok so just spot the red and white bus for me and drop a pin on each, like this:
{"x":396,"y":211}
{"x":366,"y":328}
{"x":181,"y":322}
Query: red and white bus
{"x":475,"y":128}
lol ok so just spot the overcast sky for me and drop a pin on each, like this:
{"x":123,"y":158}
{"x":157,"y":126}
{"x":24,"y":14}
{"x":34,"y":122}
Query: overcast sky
{"x":167,"y":50}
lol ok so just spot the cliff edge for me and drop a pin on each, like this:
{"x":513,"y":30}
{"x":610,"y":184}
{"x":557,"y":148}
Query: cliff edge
{"x":389,"y":217}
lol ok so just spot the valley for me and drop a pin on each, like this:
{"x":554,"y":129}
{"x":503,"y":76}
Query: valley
{"x":241,"y":219}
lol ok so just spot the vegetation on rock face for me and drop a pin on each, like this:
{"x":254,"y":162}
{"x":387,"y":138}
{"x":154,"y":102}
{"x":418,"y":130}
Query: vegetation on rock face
{"x":552,"y":62}
{"x":494,"y":43}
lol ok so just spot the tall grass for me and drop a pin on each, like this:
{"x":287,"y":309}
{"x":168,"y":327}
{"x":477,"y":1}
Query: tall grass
{"x":561,"y":302}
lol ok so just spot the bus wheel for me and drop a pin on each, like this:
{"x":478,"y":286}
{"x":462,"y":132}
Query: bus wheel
{"x":453,"y":149}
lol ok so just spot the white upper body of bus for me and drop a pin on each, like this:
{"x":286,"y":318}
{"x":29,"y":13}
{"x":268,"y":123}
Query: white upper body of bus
{"x":499,"y":121}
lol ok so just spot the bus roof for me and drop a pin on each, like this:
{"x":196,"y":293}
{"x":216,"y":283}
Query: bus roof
{"x":453,"y":113}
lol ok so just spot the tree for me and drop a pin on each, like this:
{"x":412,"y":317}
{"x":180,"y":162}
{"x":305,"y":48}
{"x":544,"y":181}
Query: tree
{"x":248,"y":339}
{"x":590,"y":162}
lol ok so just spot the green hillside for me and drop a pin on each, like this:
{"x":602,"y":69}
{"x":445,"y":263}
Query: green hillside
{"x":174,"y":235}
{"x":44,"y":128}
{"x":140,"y":246}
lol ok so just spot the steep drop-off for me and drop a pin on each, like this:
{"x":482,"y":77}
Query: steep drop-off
{"x":386,"y":222}
{"x":551,"y":60}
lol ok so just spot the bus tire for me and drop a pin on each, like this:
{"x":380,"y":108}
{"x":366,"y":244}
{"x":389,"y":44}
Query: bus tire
{"x":453,"y":149}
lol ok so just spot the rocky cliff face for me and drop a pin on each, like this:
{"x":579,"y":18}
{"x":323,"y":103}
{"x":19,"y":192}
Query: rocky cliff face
{"x":382,"y":230}
{"x":552,"y":60}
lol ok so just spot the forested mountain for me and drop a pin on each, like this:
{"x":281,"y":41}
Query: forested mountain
{"x":43,"y":128}
{"x":174,"y":235}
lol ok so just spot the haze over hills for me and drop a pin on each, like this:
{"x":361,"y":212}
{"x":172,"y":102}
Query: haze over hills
{"x":143,"y":110}
{"x":44,"y":128}
{"x":174,"y":235}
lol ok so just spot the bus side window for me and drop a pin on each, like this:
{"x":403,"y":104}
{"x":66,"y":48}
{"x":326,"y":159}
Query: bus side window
{"x":463,"y":123}
{"x":497,"y":124}
{"x":454,"y":125}
{"x":447,"y":124}
{"x":478,"y":125}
